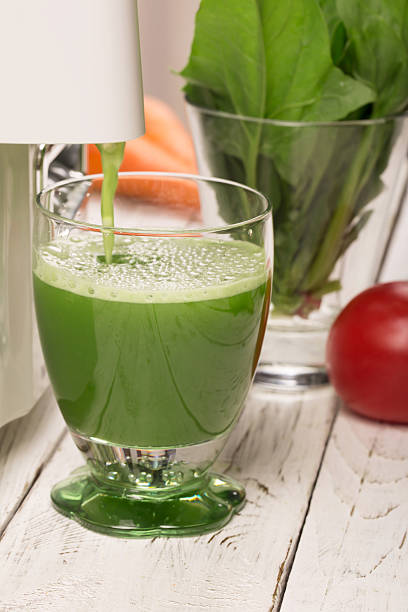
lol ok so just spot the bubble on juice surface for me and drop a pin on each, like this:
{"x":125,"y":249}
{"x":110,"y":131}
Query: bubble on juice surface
{"x":149,"y":269}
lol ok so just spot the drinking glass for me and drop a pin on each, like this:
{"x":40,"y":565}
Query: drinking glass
{"x":337,"y":189}
{"x":151,"y":355}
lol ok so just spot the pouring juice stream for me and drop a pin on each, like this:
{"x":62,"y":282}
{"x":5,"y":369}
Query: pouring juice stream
{"x":112,"y":157}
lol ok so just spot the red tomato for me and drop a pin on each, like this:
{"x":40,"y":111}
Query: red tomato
{"x":367,"y":353}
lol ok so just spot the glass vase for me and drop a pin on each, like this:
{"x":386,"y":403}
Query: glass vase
{"x":336,"y":189}
{"x":151,"y":349}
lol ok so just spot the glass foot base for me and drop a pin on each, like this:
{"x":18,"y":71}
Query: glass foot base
{"x":290,"y":377}
{"x":128,"y":513}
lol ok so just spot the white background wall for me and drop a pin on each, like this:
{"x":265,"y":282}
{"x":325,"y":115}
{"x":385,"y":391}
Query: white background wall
{"x":166,"y":33}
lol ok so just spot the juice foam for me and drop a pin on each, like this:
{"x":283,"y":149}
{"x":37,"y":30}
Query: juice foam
{"x":151,"y":270}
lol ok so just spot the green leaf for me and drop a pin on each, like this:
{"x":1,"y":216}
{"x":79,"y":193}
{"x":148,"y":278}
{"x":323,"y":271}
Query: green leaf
{"x":268,"y":59}
{"x":378,"y":51}
{"x":331,"y":15}
{"x":303,"y":84}
{"x":228,"y":57}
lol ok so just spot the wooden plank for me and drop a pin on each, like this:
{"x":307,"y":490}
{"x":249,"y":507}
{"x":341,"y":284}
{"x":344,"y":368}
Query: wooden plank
{"x":25,"y":445}
{"x":353,"y":551}
{"x":275,"y":450}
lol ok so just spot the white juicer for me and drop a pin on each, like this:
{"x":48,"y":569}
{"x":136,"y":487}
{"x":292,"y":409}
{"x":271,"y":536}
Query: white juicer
{"x":70,"y":73}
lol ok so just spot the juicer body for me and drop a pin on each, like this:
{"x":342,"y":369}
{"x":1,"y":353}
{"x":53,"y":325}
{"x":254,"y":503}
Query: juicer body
{"x":22,"y":374}
{"x":24,"y":170}
{"x":69,"y":74}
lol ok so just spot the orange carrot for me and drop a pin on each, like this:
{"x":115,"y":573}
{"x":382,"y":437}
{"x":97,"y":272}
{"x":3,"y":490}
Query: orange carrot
{"x":165,"y":128}
{"x":175,"y":192}
{"x":178,"y":193}
{"x":142,"y":155}
{"x":166,"y":147}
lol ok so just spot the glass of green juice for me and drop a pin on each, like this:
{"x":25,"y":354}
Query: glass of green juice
{"x":151,"y":356}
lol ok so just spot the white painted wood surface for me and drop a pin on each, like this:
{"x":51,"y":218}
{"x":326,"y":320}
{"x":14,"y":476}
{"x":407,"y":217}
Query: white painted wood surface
{"x":25,"y":446}
{"x":353,"y":552}
{"x":48,"y":562}
{"x":346,"y":551}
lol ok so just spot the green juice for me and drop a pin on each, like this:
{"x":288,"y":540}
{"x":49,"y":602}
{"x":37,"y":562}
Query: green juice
{"x":157,"y":349}
{"x":111,"y":157}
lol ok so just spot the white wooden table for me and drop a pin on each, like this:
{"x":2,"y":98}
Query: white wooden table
{"x":324,"y":528}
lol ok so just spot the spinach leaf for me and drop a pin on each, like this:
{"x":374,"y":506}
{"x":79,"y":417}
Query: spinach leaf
{"x":228,"y":56}
{"x":302,"y":82}
{"x":279,"y":54}
{"x":378,"y":50}
{"x":270,"y":59}
{"x":337,"y":31}
{"x":331,"y":15}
